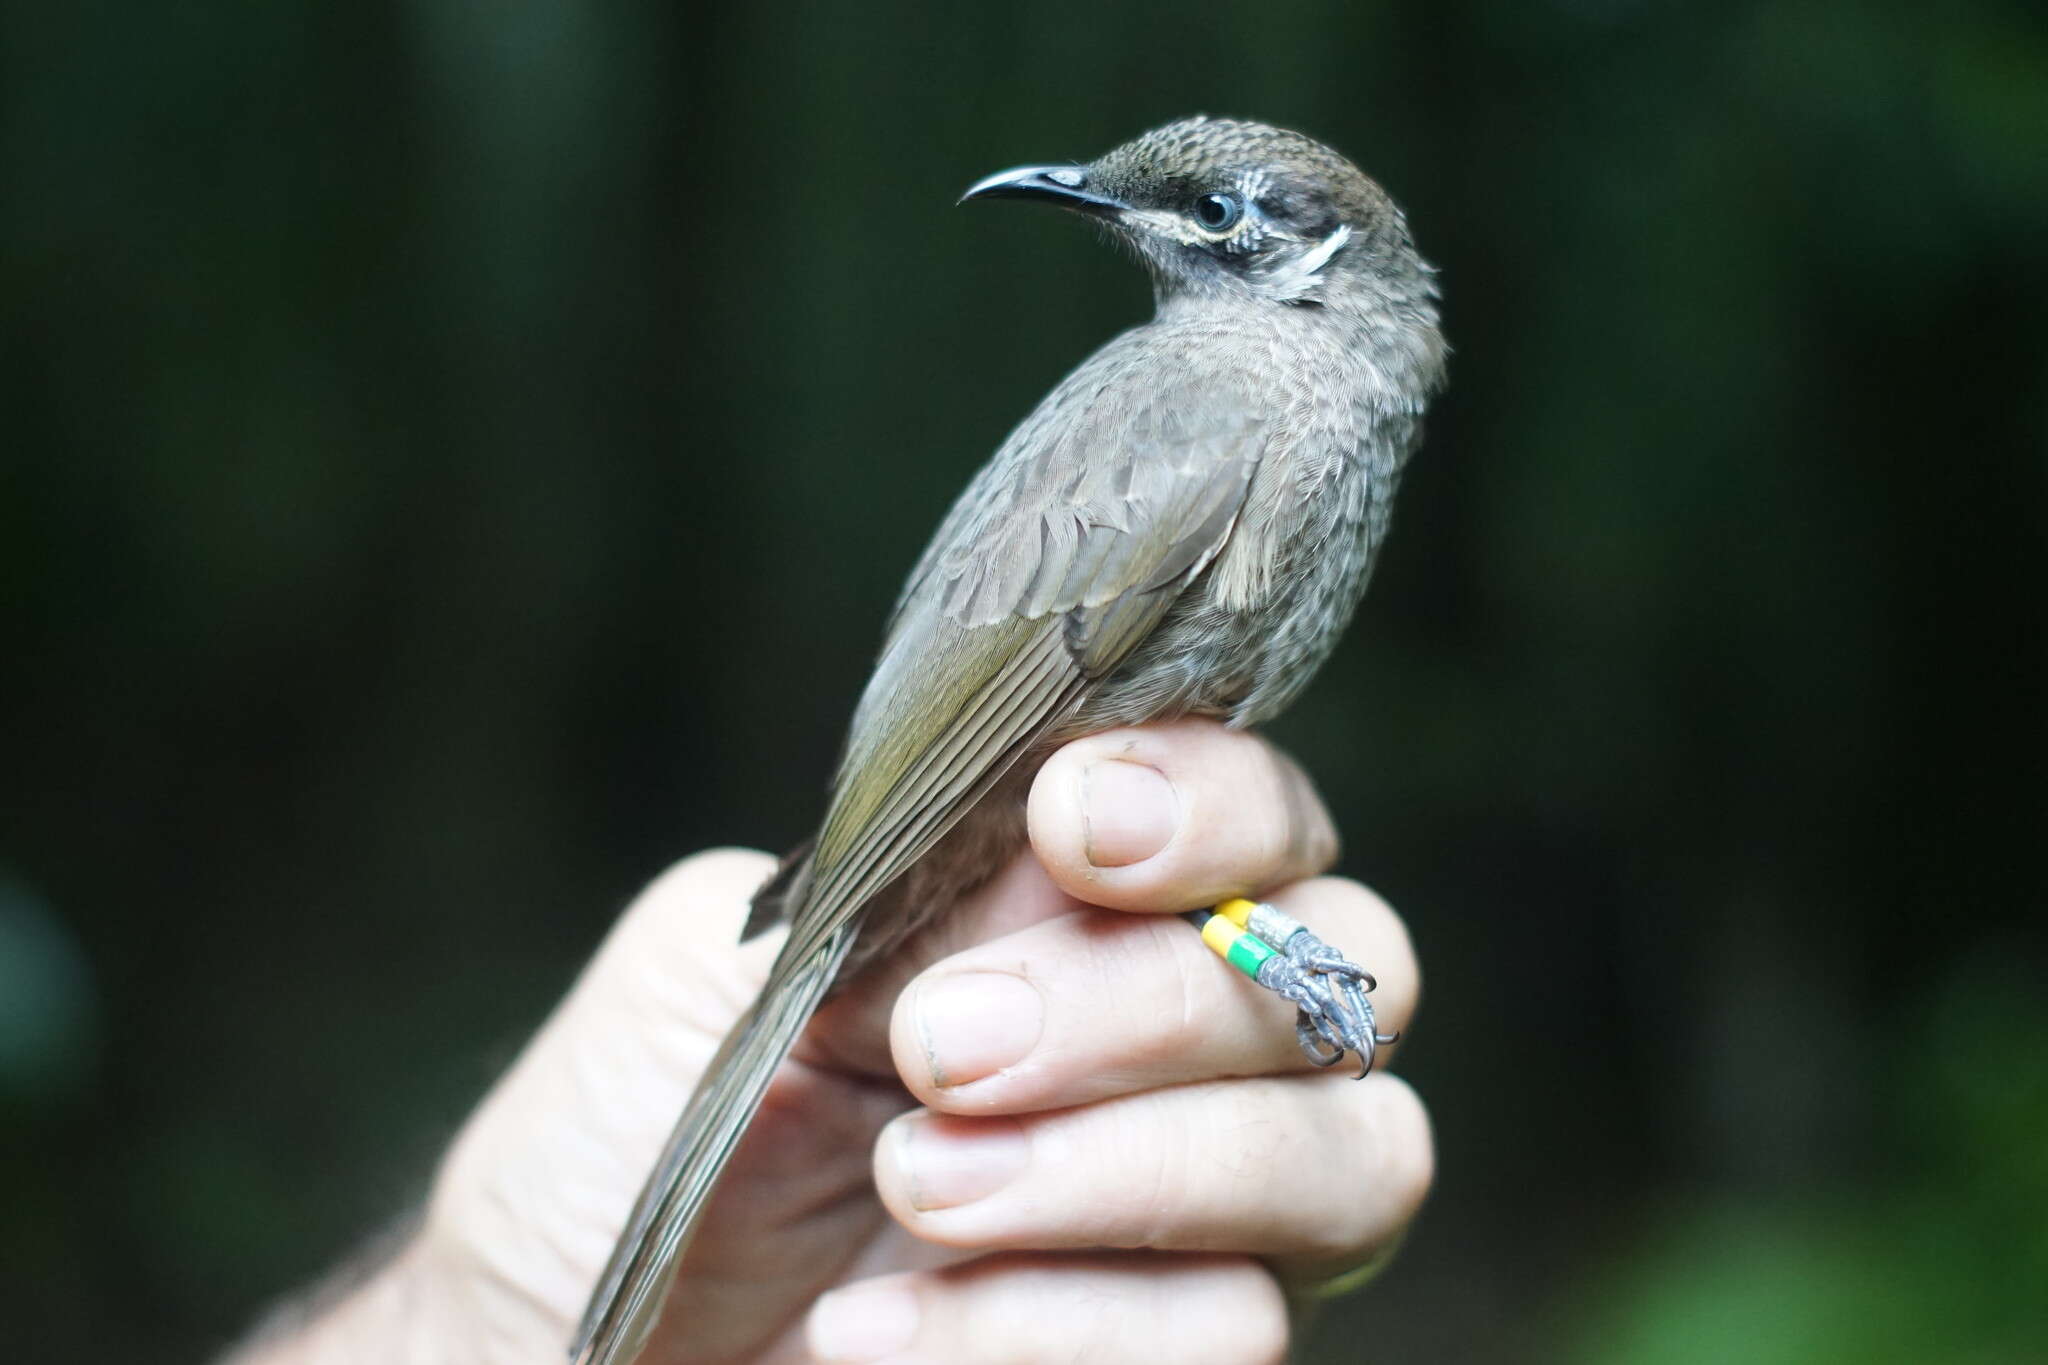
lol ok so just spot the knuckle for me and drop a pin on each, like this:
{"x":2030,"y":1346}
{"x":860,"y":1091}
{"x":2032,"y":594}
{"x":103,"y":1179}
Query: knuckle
{"x":1341,"y":1223}
{"x":1277,"y":819}
{"x":1405,"y":1150}
{"x":1320,"y":846}
{"x":1105,"y":1203}
{"x":1381,"y":1122}
{"x":1161,"y":1186}
{"x":1158,"y":1183}
{"x":1141,"y":999}
{"x":1180,"y":977}
{"x":1312,"y":834}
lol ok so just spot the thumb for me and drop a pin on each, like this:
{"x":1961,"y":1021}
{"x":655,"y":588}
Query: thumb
{"x":545,"y":1171}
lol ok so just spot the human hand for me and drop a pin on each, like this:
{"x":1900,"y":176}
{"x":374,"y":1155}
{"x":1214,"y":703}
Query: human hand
{"x":1118,"y":1148}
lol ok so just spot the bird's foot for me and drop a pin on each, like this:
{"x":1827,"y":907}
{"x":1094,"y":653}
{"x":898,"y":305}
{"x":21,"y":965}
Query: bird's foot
{"x":1283,"y":931}
{"x":1327,"y":989}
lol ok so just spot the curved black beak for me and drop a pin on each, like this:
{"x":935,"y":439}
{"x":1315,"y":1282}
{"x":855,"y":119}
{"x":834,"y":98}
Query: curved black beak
{"x":1065,"y":186}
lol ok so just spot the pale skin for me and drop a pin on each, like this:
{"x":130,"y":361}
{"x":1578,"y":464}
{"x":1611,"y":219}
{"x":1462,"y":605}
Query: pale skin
{"x":1045,"y":1131}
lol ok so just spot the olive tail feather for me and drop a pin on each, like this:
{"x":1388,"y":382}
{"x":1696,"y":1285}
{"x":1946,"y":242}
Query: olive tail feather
{"x":628,"y":1299}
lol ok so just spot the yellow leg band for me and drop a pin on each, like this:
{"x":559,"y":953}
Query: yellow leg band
{"x":1244,"y":951}
{"x":1219,"y":933}
{"x":1238,"y":911}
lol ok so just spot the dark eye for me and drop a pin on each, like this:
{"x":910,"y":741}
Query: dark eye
{"x":1218,"y":212}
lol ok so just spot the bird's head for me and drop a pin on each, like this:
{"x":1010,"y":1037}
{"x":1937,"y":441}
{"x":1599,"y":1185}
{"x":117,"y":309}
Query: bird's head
{"x":1227,"y":209}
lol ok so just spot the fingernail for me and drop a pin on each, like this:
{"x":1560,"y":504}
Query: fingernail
{"x":975,"y":1024}
{"x":1128,"y":812}
{"x":947,"y":1162}
{"x":863,"y":1322}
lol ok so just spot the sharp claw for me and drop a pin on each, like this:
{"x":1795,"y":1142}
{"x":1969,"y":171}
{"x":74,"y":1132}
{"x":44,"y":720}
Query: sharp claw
{"x":1354,"y":1016}
{"x":1312,"y":1042}
{"x":1326,"y":988}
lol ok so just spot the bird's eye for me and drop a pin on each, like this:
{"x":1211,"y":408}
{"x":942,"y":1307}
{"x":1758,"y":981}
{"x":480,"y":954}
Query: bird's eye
{"x":1218,"y":212}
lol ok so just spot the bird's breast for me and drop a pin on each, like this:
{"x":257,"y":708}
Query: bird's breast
{"x":1253,"y":627}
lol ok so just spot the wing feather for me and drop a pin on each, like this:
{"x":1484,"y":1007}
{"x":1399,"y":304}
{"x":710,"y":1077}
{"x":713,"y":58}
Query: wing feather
{"x":1061,"y":556}
{"x":1038,"y":684}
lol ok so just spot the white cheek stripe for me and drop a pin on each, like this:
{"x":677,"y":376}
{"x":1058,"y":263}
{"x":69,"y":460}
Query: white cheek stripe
{"x":1330,"y":246}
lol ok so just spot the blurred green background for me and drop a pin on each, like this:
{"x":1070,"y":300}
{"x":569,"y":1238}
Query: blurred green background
{"x":459,"y":455}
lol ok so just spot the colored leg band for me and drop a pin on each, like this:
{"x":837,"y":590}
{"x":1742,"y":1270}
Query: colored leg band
{"x":1227,"y":938}
{"x":1272,"y":924}
{"x":1238,"y":911}
{"x":1268,"y":923}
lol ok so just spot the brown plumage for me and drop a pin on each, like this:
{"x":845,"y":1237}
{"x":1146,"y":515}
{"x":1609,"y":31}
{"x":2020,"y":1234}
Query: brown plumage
{"x":1183,"y":525}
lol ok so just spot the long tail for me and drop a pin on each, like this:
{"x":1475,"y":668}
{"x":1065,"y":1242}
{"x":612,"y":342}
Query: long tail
{"x":628,"y":1299}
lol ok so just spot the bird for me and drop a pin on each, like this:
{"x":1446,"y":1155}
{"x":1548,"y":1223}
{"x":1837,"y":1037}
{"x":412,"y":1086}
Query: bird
{"x":1182,"y":526}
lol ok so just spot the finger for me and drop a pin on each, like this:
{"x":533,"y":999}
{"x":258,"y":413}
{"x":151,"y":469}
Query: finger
{"x":1175,"y":817}
{"x":1272,"y":825}
{"x":1090,"y":1310}
{"x":1092,"y":1005}
{"x":851,"y":1032}
{"x":1290,"y":1166}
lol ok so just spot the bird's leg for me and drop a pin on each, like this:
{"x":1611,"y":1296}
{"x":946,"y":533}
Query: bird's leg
{"x":1327,"y":988}
{"x":1288,"y":934}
